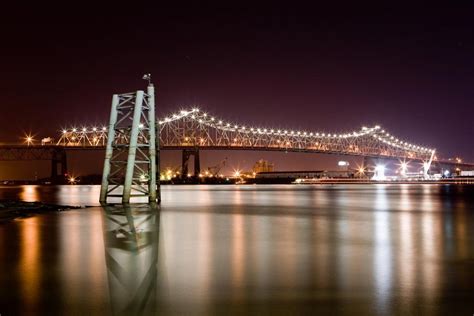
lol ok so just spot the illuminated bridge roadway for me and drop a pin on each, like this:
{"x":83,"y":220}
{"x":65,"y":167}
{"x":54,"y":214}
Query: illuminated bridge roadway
{"x":194,"y":130}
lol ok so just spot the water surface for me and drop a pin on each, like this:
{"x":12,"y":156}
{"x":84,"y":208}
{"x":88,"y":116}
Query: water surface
{"x":277,"y":249}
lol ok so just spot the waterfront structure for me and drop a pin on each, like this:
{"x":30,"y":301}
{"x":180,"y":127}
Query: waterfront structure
{"x":262,"y":166}
{"x":130,"y":165}
{"x":194,"y":130}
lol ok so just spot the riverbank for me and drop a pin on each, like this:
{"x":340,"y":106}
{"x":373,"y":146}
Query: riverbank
{"x":12,"y":209}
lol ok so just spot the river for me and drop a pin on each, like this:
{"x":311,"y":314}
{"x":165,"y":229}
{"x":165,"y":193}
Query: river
{"x":375,"y":249}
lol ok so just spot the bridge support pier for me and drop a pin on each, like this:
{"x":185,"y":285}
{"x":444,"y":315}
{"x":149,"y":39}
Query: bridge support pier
{"x":58,"y":158}
{"x":187,"y":153}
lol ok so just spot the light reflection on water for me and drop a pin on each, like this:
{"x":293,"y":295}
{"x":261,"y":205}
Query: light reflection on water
{"x":366,"y":249}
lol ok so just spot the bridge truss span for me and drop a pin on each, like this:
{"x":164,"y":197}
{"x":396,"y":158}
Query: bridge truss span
{"x":197,"y":129}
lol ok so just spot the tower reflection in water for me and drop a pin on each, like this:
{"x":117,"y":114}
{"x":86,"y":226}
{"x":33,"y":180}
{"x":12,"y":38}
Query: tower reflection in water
{"x":131,"y":236}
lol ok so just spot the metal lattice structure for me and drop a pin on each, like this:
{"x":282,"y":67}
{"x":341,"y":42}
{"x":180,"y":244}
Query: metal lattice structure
{"x":55,"y":154}
{"x":130,"y":165}
{"x":84,"y":136}
{"x":197,"y":129}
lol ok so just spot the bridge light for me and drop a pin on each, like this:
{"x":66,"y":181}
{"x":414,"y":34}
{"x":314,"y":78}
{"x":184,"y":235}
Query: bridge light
{"x":227,"y":124}
{"x":74,"y":130}
{"x":265,"y":130}
{"x":236,"y":126}
{"x":192,"y":116}
{"x":286,"y":132}
{"x":377,"y":126}
{"x":104,"y":128}
{"x":379,"y":173}
{"x":94,"y":129}
{"x":288,"y":143}
{"x":212,"y":119}
{"x":200,"y":121}
{"x":310,"y":134}
{"x":140,"y":125}
{"x":64,"y":131}
{"x":220,"y":122}
{"x":243,"y":128}
{"x":364,"y":128}
{"x":205,"y":114}
{"x":403,"y":167}
{"x":29,"y":140}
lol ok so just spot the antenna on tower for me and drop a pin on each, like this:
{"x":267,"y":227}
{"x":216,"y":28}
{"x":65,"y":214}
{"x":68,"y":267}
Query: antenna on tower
{"x":147,"y":77}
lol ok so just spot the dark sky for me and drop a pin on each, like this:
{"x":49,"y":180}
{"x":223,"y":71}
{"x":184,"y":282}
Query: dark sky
{"x":407,"y":68}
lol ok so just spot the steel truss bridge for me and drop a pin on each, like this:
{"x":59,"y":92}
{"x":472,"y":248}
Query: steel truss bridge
{"x":197,"y":129}
{"x":193,"y":130}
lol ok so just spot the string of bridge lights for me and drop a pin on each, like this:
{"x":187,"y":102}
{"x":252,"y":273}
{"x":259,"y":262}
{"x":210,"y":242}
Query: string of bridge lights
{"x":377,"y":132}
{"x":203,"y":118}
{"x":84,"y":130}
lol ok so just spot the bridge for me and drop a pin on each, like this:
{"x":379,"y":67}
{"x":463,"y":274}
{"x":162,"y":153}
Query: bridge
{"x":194,"y":130}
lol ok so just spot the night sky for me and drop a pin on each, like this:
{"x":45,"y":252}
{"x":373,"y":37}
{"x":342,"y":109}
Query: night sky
{"x":407,"y":68}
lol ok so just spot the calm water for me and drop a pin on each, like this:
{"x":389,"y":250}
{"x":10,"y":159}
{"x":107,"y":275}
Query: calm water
{"x":219,"y":250}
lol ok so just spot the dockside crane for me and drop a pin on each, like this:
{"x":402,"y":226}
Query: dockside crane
{"x":214,"y":170}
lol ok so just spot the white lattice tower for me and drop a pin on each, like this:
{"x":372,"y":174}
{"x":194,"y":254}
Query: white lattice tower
{"x":130,"y":164}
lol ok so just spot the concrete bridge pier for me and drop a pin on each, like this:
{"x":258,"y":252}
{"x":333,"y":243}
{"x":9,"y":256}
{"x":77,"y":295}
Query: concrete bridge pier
{"x":187,"y":153}
{"x":58,"y":158}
